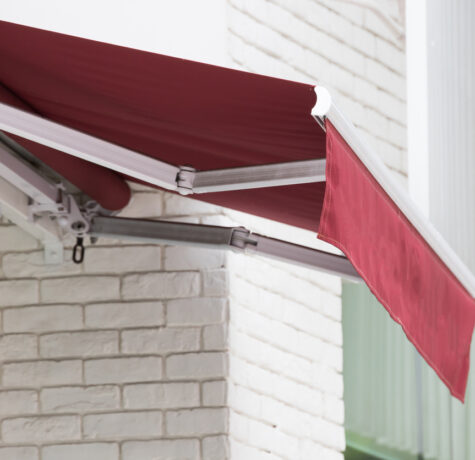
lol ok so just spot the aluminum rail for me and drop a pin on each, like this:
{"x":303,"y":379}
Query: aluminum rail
{"x":248,"y":177}
{"x":89,"y":148}
{"x":380,"y":172}
{"x":182,"y":179}
{"x":236,"y":238}
{"x":22,"y":176}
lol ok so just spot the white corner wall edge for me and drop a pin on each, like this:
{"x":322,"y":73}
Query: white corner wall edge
{"x":404,"y":202}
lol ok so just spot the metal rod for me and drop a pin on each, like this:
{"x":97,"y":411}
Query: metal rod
{"x":305,"y":256}
{"x":236,"y":238}
{"x":25,"y":178}
{"x":88,"y":147}
{"x":161,"y":232}
{"x":183,"y":179}
{"x":273,"y":175}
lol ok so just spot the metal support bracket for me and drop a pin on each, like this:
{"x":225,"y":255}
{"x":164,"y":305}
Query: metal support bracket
{"x":39,"y":206}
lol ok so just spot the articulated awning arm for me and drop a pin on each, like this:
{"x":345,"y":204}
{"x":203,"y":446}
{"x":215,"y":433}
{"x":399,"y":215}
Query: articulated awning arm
{"x":183,"y":179}
{"x":238,"y":239}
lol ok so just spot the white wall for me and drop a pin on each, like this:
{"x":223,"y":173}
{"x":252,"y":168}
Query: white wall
{"x":183,"y":28}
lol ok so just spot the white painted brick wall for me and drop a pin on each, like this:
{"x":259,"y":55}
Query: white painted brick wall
{"x":152,"y":353}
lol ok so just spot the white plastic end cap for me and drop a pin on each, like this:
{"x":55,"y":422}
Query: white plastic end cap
{"x":324,"y":102}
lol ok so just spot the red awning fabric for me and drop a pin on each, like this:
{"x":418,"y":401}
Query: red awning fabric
{"x":403,"y":272}
{"x":188,"y":113}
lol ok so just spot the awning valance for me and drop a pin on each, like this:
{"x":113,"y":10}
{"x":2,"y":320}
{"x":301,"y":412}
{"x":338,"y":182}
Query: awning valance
{"x":187,"y":113}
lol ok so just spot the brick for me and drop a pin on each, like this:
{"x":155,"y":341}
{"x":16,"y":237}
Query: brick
{"x":25,"y":265}
{"x":18,"y":292}
{"x":135,"y":187}
{"x":333,"y":409}
{"x":214,"y":393}
{"x":176,"y":205}
{"x":183,"y":449}
{"x":196,"y":365}
{"x":264,"y":436}
{"x":41,"y":373}
{"x":92,"y":451}
{"x":161,"y":285}
{"x":364,"y":41}
{"x":143,"y":205}
{"x":122,"y":259}
{"x":397,"y":135}
{"x":276,"y":386}
{"x":79,"y":344}
{"x":196,"y":312}
{"x":272,"y":331}
{"x":378,"y":124}
{"x":196,"y":422}
{"x":41,"y":429}
{"x":163,"y":340}
{"x":383,"y":77}
{"x":377,"y":26}
{"x":13,"y":238}
{"x":215,"y":282}
{"x":240,"y":450}
{"x":118,"y":315}
{"x":277,"y":360}
{"x":215,"y":448}
{"x":310,"y":449}
{"x":288,"y":310}
{"x":331,"y":305}
{"x":18,"y":402}
{"x":80,"y":289}
{"x":123,"y":425}
{"x":43,"y":318}
{"x":123,"y":370}
{"x":19,"y":453}
{"x":391,"y":155}
{"x":80,"y":399}
{"x":330,"y":434}
{"x":161,"y":395}
{"x":188,"y":258}
{"x":18,"y":346}
{"x":215,"y":337}
{"x":390,"y":55}
{"x":392,"y":106}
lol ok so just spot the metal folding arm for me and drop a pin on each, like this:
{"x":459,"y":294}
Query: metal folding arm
{"x":238,"y":239}
{"x":182,"y":179}
{"x":46,"y":210}
{"x":42,"y":208}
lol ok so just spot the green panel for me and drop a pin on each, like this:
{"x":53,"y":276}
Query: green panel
{"x":380,"y":390}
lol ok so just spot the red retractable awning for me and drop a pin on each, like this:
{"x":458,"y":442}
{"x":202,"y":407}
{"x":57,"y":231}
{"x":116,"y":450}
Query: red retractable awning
{"x":188,"y":113}
{"x":181,"y":112}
